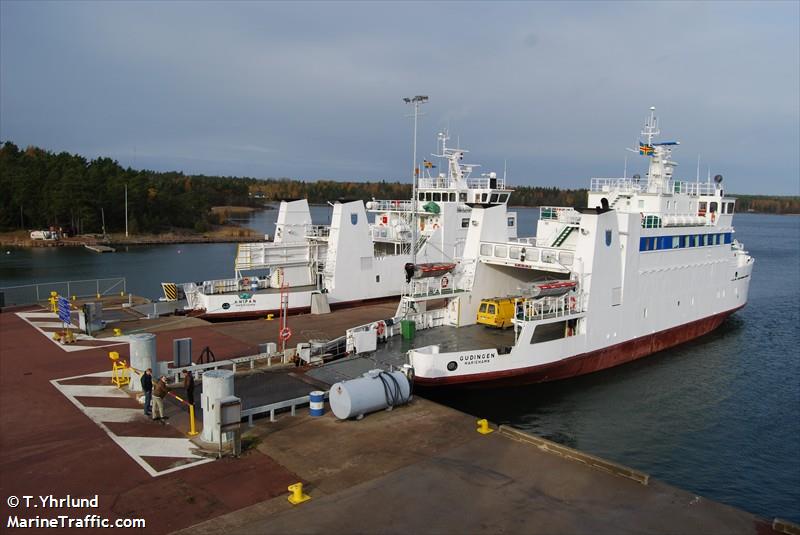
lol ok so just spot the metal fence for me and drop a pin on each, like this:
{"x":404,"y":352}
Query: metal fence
{"x":29,"y":294}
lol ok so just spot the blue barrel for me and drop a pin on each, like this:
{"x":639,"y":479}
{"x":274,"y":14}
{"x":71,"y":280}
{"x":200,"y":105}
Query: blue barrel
{"x":317,"y":403}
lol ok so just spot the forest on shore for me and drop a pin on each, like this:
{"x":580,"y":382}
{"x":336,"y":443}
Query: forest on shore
{"x":42,"y":189}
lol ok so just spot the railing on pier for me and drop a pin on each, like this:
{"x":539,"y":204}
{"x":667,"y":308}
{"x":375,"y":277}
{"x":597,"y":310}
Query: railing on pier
{"x":30,"y":294}
{"x":291,"y":404}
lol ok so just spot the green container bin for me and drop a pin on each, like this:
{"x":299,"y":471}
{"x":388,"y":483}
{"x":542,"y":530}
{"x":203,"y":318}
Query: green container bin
{"x":408,"y":328}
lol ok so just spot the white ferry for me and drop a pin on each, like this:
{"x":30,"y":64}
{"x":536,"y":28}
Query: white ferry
{"x":651,"y":263}
{"x":355,"y":259}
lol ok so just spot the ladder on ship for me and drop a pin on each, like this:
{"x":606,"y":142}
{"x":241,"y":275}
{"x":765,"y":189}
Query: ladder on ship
{"x":563,"y":235}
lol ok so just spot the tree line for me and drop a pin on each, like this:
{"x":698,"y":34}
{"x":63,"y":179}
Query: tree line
{"x":42,"y":189}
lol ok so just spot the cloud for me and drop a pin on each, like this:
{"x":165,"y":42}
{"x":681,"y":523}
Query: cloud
{"x":314,"y":89}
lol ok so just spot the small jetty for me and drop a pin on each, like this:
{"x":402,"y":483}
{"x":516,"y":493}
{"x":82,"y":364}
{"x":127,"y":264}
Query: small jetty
{"x":100,"y":248}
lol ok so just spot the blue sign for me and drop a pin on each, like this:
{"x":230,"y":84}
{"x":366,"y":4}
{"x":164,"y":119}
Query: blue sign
{"x":64,"y":310}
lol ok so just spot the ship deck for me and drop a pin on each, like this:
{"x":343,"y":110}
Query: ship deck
{"x":392,"y":354}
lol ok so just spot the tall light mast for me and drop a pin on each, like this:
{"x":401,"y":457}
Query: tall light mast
{"x":416,"y":101}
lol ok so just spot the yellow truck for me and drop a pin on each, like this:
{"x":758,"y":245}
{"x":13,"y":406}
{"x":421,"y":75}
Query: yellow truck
{"x":496,"y":312}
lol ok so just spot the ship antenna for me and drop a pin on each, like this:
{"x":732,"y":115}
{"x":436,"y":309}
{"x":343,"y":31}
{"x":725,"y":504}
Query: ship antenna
{"x":625,"y":168}
{"x":651,"y":126}
{"x":505,"y":168}
{"x":697,"y":177}
{"x":416,"y":101}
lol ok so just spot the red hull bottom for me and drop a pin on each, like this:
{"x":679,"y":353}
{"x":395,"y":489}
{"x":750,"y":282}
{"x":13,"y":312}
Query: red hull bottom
{"x":292,"y":311}
{"x":584,"y":363}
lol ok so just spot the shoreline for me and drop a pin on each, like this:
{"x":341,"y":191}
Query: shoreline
{"x":227,"y":234}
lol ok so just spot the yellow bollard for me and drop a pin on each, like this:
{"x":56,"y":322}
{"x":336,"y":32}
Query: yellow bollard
{"x":74,"y":297}
{"x":483,"y":427}
{"x":56,"y":336}
{"x":192,"y":430}
{"x":117,"y":331}
{"x":297,"y":497}
{"x":98,"y":296}
{"x":270,"y":316}
{"x":122,"y":294}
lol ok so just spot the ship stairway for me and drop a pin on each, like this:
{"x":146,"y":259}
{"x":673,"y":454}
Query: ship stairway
{"x":563,"y":235}
{"x":617,"y":199}
{"x":421,"y":241}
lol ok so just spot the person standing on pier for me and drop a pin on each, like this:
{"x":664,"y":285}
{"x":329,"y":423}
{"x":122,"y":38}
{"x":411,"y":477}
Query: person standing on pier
{"x":147,"y":388}
{"x":160,"y":391}
{"x":188,"y":384}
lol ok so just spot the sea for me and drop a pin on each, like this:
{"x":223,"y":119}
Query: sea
{"x":719,"y":416}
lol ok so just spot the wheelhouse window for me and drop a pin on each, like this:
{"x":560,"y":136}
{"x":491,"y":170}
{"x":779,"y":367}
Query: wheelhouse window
{"x":421,"y":195}
{"x":503,"y":197}
{"x":713,"y":207}
{"x":730,"y":207}
{"x":462,"y":197}
{"x":493,"y":198}
{"x":437,"y":197}
{"x":452,"y":196}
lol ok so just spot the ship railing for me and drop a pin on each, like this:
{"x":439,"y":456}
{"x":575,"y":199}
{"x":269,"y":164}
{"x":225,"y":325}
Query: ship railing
{"x":318,"y":231}
{"x":641,"y":185}
{"x":561,"y":214}
{"x":486,"y":183}
{"x":520,"y":255}
{"x":397,"y":205}
{"x":435,"y":183}
{"x":431,"y":287}
{"x":389,"y":234}
{"x":392,"y":327}
{"x":29,"y":294}
{"x":221,"y":286}
{"x":536,"y":309}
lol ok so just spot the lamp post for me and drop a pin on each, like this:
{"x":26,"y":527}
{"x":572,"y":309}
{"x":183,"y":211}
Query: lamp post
{"x":416,"y":101}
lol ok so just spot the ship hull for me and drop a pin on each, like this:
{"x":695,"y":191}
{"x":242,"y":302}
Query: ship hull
{"x":588,"y":362}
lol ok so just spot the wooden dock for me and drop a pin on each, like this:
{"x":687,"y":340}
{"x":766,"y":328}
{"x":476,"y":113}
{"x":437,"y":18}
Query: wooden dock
{"x":100,"y":248}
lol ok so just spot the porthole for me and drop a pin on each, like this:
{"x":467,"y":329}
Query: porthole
{"x":452,"y":365}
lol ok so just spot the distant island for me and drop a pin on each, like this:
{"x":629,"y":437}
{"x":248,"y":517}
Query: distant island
{"x":43,"y":189}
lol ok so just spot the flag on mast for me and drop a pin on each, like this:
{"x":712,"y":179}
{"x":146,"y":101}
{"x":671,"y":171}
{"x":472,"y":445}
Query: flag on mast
{"x":645,"y":149}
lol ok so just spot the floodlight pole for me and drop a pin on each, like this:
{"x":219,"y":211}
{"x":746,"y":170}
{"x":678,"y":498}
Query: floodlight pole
{"x":416,"y":101}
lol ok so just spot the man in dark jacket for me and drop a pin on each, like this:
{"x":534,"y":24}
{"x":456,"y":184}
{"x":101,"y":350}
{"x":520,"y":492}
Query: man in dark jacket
{"x":147,"y":387}
{"x":188,"y":384}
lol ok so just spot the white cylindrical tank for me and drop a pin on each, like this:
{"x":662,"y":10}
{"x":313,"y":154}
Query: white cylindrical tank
{"x":143,"y":356}
{"x":217,"y":384}
{"x":375,"y":391}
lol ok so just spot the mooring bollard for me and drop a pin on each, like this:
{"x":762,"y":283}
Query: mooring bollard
{"x":483,"y":427}
{"x":297,"y":496}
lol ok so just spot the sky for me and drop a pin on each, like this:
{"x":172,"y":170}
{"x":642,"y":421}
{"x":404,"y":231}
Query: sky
{"x":554,"y":91}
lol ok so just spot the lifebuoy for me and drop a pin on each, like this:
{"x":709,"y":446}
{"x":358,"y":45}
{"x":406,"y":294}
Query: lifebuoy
{"x":246,"y":281}
{"x":380,"y":328}
{"x":384,"y":219}
{"x":445,"y":282}
{"x":285,"y":333}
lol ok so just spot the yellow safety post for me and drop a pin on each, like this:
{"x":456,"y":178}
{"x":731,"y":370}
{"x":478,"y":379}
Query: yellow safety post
{"x":270,"y":316}
{"x":53,"y":301}
{"x":117,"y":331}
{"x":57,"y":336}
{"x":192,"y":430}
{"x":74,"y":297}
{"x":98,"y":296}
{"x":483,"y":427}
{"x":119,"y":370}
{"x":297,"y":497}
{"x":122,"y":293}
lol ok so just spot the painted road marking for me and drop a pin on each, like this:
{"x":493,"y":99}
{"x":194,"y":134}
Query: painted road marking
{"x":135,"y":447}
{"x":84,"y":342}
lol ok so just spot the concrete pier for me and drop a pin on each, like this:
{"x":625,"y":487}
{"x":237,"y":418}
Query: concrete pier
{"x":420,"y":468}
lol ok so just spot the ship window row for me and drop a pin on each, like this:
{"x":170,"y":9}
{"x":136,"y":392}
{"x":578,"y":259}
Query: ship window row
{"x":441,"y":196}
{"x":659,"y":243}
